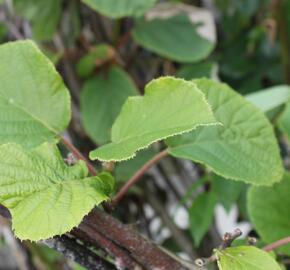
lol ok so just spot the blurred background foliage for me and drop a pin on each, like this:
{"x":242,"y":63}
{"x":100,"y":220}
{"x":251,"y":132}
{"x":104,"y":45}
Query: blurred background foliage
{"x":107,"y":50}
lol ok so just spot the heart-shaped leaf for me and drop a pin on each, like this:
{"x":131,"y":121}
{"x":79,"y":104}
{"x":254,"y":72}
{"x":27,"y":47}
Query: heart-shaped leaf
{"x":170,"y":107}
{"x":44,"y":195}
{"x":34,"y":102}
{"x":243,"y":148}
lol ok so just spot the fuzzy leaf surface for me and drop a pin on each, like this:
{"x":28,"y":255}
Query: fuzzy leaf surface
{"x":169,"y":107}
{"x":243,"y":148}
{"x":44,"y":195}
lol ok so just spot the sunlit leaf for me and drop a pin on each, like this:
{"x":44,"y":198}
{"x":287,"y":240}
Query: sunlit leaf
{"x":170,"y":107}
{"x":243,"y":148}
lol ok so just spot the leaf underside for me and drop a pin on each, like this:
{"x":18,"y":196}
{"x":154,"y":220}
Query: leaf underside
{"x":169,"y":107}
{"x":243,"y":148}
{"x":44,"y":195}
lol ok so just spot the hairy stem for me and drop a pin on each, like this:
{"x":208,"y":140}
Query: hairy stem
{"x":277,"y":244}
{"x":137,"y":176}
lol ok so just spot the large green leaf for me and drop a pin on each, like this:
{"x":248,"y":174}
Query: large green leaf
{"x":160,"y":36}
{"x":245,"y":258}
{"x":43,"y":15}
{"x":284,"y":121}
{"x":120,"y":8}
{"x":44,"y":195}
{"x":270,"y":98}
{"x":201,"y":215}
{"x":34,"y":102}
{"x":268,"y":208}
{"x":170,"y":107}
{"x":244,"y":148}
{"x":101,"y":101}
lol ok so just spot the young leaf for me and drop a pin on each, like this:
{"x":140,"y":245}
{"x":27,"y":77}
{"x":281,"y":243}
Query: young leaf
{"x":44,"y":195}
{"x":159,"y":35}
{"x":201,"y":215}
{"x":120,"y":8}
{"x":245,"y":258}
{"x":268,"y":208}
{"x":243,"y":148}
{"x":97,"y":56}
{"x":284,"y":121}
{"x":34,"y":102}
{"x":170,"y":107}
{"x":101,"y":101}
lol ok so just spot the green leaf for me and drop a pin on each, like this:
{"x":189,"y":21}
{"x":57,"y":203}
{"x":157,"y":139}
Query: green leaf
{"x":170,"y":107}
{"x":268,"y":208}
{"x":201,"y":215}
{"x":160,"y":36}
{"x":101,"y":101}
{"x":284,"y":121}
{"x":198,"y":70}
{"x":95,"y":58}
{"x":244,"y":148}
{"x":120,"y":8}
{"x":34,"y":102}
{"x":227,"y":191}
{"x":44,"y":195}
{"x":125,"y":170}
{"x":270,"y":98}
{"x":43,"y":15}
{"x":245,"y":258}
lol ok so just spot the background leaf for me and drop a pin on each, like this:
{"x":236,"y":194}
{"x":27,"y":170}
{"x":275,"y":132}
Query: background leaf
{"x":270,"y":98}
{"x":120,"y":8}
{"x":244,"y":148}
{"x":201,"y":215}
{"x":268,"y":208}
{"x":246,"y":258}
{"x":43,"y":15}
{"x":170,"y":107}
{"x":101,"y":101}
{"x":39,"y":188}
{"x":34,"y":102}
{"x":159,"y":36}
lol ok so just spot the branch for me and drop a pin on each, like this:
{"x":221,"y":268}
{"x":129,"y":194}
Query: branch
{"x":137,"y":176}
{"x":277,"y":244}
{"x":78,"y":155}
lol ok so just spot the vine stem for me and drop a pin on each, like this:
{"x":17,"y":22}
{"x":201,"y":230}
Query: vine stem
{"x":137,"y":176}
{"x":277,"y":244}
{"x":79,"y":155}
